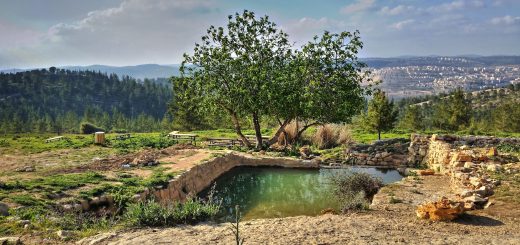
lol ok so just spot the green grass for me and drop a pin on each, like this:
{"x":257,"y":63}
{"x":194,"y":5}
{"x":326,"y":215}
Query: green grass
{"x":57,"y":183}
{"x":35,"y":143}
{"x":366,"y":138}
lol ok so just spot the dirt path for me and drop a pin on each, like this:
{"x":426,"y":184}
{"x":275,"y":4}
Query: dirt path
{"x":185,"y":159}
{"x":387,"y":222}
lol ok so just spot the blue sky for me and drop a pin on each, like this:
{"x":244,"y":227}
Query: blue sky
{"x":37,"y":33}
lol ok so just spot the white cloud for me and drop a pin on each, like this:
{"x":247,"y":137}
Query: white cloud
{"x":448,"y":7}
{"x":402,"y":24}
{"x":358,"y":6}
{"x":136,"y":31}
{"x":505,"y":20}
{"x":302,"y":30}
{"x":400,"y":9}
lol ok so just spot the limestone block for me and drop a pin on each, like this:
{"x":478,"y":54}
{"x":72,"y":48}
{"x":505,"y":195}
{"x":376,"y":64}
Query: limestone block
{"x":442,"y":210}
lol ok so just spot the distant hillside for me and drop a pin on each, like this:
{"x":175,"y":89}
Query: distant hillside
{"x":488,"y":110}
{"x":138,"y":71}
{"x":150,"y":71}
{"x":43,"y":100}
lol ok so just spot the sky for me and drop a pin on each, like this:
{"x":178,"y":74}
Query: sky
{"x":36,"y":33}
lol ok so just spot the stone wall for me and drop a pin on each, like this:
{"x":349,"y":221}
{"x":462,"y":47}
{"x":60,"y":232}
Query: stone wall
{"x":419,"y":149}
{"x":389,"y":153}
{"x":466,"y":159}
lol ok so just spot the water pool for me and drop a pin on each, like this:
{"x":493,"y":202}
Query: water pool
{"x":268,"y":192}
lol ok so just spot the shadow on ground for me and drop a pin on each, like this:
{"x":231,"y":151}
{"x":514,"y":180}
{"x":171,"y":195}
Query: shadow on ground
{"x":476,"y":220}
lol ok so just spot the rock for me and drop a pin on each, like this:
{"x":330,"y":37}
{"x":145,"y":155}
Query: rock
{"x":426,"y":172}
{"x":4,"y":209}
{"x":305,"y":151}
{"x":468,"y":164}
{"x":475,"y":199}
{"x":492,"y":152}
{"x":10,"y":240}
{"x":442,"y":210}
{"x":494,"y":167}
{"x":65,"y":235}
{"x":461,"y":157}
{"x":466,"y":193}
{"x":486,"y":191}
{"x":475,"y":181}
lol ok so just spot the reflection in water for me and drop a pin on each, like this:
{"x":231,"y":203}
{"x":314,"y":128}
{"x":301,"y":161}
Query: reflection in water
{"x":266,"y":192}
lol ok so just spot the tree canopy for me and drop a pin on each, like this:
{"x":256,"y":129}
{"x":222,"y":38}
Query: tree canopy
{"x":249,"y":69}
{"x":381,"y":114}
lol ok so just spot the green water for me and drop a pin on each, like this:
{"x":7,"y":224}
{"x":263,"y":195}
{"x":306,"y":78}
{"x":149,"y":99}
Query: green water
{"x":266,"y":192}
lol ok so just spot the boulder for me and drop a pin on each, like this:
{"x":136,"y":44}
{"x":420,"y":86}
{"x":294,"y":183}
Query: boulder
{"x":442,"y":210}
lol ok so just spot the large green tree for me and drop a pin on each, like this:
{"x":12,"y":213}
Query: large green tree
{"x":249,"y":69}
{"x":381,"y":114}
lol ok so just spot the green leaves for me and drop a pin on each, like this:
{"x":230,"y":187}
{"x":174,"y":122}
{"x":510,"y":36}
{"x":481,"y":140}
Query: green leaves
{"x":249,"y":69}
{"x":381,"y":114}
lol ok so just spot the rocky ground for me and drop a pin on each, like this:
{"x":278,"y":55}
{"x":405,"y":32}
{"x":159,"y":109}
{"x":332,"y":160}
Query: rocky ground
{"x":391,"y":220}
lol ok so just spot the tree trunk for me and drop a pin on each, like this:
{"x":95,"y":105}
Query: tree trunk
{"x":300,"y":132}
{"x":280,"y":130}
{"x":379,"y":134}
{"x":258,"y":133}
{"x":238,"y":130}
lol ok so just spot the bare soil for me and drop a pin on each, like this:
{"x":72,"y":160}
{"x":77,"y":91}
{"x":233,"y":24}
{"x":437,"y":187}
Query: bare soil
{"x":388,"y":222}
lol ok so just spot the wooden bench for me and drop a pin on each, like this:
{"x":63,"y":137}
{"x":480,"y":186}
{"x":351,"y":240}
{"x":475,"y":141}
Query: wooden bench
{"x":252,"y":138}
{"x":57,"y":138}
{"x":224,"y":142}
{"x":184,"y":137}
{"x":123,"y":136}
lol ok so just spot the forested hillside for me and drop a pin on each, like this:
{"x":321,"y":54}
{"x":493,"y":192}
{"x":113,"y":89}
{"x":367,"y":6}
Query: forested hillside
{"x":485,"y":111}
{"x":57,"y":100}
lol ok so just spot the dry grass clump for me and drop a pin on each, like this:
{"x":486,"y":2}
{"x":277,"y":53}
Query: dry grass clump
{"x":287,"y":137}
{"x":331,"y":135}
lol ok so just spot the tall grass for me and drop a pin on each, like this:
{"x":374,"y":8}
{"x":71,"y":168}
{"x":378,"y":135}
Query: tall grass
{"x":332,"y":135}
{"x":153,"y":214}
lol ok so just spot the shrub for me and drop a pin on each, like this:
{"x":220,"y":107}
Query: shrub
{"x":153,"y":214}
{"x":119,"y":131}
{"x":89,"y":128}
{"x":354,"y":190}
